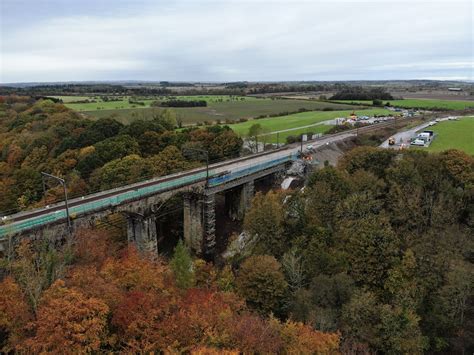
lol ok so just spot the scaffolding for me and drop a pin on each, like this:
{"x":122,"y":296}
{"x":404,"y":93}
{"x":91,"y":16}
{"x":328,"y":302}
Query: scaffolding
{"x":209,"y":223}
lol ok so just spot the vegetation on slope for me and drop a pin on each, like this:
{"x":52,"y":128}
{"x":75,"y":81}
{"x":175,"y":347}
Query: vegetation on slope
{"x":379,"y":248}
{"x":94,"y":296}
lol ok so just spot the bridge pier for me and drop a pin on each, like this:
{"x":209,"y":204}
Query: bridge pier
{"x":192,"y":222}
{"x":199,"y":219}
{"x":238,"y":200}
{"x":141,"y":231}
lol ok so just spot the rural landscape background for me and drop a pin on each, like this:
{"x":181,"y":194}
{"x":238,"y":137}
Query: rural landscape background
{"x":236,"y":177}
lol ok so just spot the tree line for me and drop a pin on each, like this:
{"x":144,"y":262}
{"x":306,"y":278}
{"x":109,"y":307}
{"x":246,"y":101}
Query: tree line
{"x":362,"y":93}
{"x":180,"y":103}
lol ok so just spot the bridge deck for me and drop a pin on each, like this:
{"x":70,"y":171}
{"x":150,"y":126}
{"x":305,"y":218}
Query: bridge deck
{"x":232,"y":169}
{"x":107,"y":199}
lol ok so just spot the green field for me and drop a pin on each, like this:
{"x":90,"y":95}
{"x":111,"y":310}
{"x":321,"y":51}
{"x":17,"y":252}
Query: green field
{"x":220,"y":108}
{"x":454,"y":135}
{"x":420,"y":103}
{"x":300,"y":119}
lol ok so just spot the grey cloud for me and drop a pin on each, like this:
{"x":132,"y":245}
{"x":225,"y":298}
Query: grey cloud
{"x":236,"y":40}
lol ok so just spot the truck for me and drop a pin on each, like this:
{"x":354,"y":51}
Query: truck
{"x":426,"y":136}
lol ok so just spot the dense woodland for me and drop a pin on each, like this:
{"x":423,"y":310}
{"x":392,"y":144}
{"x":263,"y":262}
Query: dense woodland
{"x":379,"y":249}
{"x":372,"y":256}
{"x":361,"y":93}
{"x":39,"y":135}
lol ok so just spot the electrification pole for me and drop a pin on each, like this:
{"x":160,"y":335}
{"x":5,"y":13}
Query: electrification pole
{"x":66,"y":202}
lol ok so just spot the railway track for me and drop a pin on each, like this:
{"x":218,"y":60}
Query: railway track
{"x":198,"y":173}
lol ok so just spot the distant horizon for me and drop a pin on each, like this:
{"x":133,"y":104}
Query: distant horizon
{"x":236,"y":40}
{"x":225,"y":82}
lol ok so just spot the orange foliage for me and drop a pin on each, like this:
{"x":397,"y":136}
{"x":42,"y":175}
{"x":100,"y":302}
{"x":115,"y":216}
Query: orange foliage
{"x":67,"y":322}
{"x":205,"y":274}
{"x":14,"y":313}
{"x":147,"y":313}
{"x":203,"y":317}
{"x":204,"y":350}
{"x":133,"y":272}
{"x":138,"y":321}
{"x":252,"y":334}
{"x":302,"y":339}
{"x":92,"y":247}
{"x":88,"y":280}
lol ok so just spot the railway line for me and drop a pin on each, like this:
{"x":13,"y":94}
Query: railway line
{"x":219,"y":173}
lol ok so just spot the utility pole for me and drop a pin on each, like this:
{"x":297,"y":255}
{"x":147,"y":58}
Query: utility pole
{"x":66,"y":202}
{"x":206,"y":154}
{"x":278,"y":145}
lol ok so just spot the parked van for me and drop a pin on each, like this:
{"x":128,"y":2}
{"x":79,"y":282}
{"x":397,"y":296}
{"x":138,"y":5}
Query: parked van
{"x":419,"y":142}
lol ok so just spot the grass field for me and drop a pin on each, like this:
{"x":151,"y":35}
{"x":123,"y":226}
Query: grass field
{"x":454,"y":135}
{"x":300,"y":119}
{"x":420,"y":103}
{"x":219,"y":108}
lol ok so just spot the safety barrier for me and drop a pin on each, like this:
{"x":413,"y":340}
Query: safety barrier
{"x":35,"y":222}
{"x":106,"y":202}
{"x":250,"y":170}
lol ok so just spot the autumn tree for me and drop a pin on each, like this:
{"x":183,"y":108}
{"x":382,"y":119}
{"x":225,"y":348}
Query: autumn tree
{"x":264,"y":222}
{"x":262,"y":283}
{"x":131,"y":272}
{"x":326,"y":189}
{"x":370,"y":245}
{"x":302,"y":339}
{"x":204,"y":317}
{"x":374,"y":160}
{"x":80,"y":323}
{"x":37,"y":265}
{"x":14,"y":315}
{"x":138,"y":319}
{"x":121,"y":171}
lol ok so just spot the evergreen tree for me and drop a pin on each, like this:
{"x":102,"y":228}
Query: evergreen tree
{"x":182,"y":266}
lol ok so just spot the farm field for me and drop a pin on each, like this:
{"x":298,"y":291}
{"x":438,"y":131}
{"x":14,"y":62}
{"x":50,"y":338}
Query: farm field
{"x":106,"y":105}
{"x":67,"y":99}
{"x":219,"y":108}
{"x":281,"y":136}
{"x":420,"y":103}
{"x":454,"y":135}
{"x":300,"y":120}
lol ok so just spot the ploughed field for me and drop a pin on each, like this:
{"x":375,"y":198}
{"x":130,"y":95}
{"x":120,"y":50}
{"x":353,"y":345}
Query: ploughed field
{"x":454,"y":135}
{"x":221,"y":108}
{"x":428,"y":104}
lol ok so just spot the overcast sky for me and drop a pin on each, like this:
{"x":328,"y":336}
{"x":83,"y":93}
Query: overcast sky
{"x":232,"y":40}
